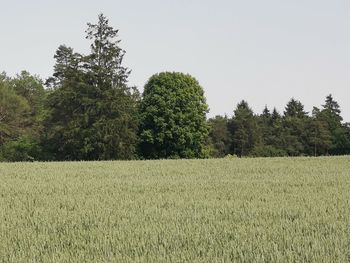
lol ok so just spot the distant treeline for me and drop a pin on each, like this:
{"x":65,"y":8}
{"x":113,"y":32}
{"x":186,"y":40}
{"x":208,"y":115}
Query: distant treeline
{"x":87,"y":111}
{"x":294,"y":133}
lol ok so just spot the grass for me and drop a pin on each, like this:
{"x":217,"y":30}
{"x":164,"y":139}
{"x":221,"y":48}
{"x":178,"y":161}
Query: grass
{"x":223,"y":210}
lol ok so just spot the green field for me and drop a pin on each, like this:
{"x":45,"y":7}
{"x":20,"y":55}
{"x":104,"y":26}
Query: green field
{"x":221,"y":210}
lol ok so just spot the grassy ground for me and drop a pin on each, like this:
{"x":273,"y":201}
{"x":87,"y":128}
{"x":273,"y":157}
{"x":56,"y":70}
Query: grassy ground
{"x":239,"y":210}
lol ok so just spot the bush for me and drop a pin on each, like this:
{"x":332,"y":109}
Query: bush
{"x":268,"y":151}
{"x":23,"y":150}
{"x":231,"y":156}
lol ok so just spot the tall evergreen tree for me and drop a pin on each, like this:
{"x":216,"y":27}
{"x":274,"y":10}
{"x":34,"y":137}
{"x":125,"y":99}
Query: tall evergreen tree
{"x":270,"y":130}
{"x":68,"y":65}
{"x":265,"y":122}
{"x":276,"y":139}
{"x":93,"y":111}
{"x":346,"y":149}
{"x":295,"y":121}
{"x":219,"y":136}
{"x":320,"y":134}
{"x":244,"y":129}
{"x":330,"y":114}
{"x":333,"y":107}
{"x":294,"y":109}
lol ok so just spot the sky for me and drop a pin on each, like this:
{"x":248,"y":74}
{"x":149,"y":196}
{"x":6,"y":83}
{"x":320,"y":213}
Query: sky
{"x":264,"y":52}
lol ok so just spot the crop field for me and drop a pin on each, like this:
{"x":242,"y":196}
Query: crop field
{"x":220,"y":210}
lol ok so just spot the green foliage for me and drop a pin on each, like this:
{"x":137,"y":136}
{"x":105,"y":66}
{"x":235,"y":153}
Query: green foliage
{"x":89,"y":112}
{"x":231,"y":156}
{"x":219,"y":136}
{"x":330,"y":114}
{"x":13,"y":112}
{"x":294,"y":109}
{"x":66,"y":68}
{"x":173,"y":117}
{"x":332,"y":107}
{"x":21,"y":114}
{"x":294,"y":124}
{"x":320,"y":135}
{"x":267,"y":151}
{"x":293,"y":134}
{"x":23,"y":149}
{"x":346,"y":136}
{"x":271,"y":129}
{"x":92,"y":110}
{"x":31,"y":88}
{"x":244,"y":129}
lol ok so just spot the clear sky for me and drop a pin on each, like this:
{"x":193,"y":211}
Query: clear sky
{"x":263,"y":51}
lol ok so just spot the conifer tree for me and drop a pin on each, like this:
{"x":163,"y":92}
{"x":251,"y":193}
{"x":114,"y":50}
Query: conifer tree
{"x":93,"y":111}
{"x":244,"y":129}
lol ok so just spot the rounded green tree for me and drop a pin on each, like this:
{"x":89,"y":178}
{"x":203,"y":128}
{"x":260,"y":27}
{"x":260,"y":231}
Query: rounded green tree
{"x":173,"y":117}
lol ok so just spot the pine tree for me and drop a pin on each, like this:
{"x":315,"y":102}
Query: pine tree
{"x":244,"y":129}
{"x":320,"y":137}
{"x":333,"y":107}
{"x":219,"y":135}
{"x":295,"y":121}
{"x":294,"y":109}
{"x":93,"y":111}
{"x":330,"y":114}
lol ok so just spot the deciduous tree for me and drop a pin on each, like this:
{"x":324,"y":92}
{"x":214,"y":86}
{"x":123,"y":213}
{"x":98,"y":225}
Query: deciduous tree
{"x":173,"y":117}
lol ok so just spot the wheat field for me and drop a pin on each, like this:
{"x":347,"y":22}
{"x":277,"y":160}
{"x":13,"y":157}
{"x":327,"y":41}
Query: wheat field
{"x":219,"y":210}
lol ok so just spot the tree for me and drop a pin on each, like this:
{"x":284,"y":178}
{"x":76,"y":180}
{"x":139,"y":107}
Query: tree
{"x":21,"y":149}
{"x":295,"y":121}
{"x":270,"y":128}
{"x":244,"y":129}
{"x":68,"y":64}
{"x":265,"y":122}
{"x":219,"y":135}
{"x":276,"y":140}
{"x":294,"y":109}
{"x":346,"y":149}
{"x":93,"y":111}
{"x":22,"y":108}
{"x":173,"y":117}
{"x":105,"y":60}
{"x":333,"y":107}
{"x":330,"y":114}
{"x":320,"y":137}
{"x":31,"y":88}
{"x":13,"y":112}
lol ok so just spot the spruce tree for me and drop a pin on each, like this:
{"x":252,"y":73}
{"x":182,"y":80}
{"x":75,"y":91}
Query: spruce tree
{"x":219,"y":135}
{"x":295,"y":121}
{"x":330,"y":114}
{"x":93,"y":111}
{"x":244,"y":129}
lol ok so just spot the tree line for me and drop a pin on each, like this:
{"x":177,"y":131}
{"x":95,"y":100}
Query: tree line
{"x":88,"y":111}
{"x":293,"y":133}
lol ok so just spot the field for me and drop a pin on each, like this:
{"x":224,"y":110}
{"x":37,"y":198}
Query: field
{"x":221,"y":210}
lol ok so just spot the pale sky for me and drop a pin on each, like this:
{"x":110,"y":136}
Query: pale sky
{"x":262,"y":51}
